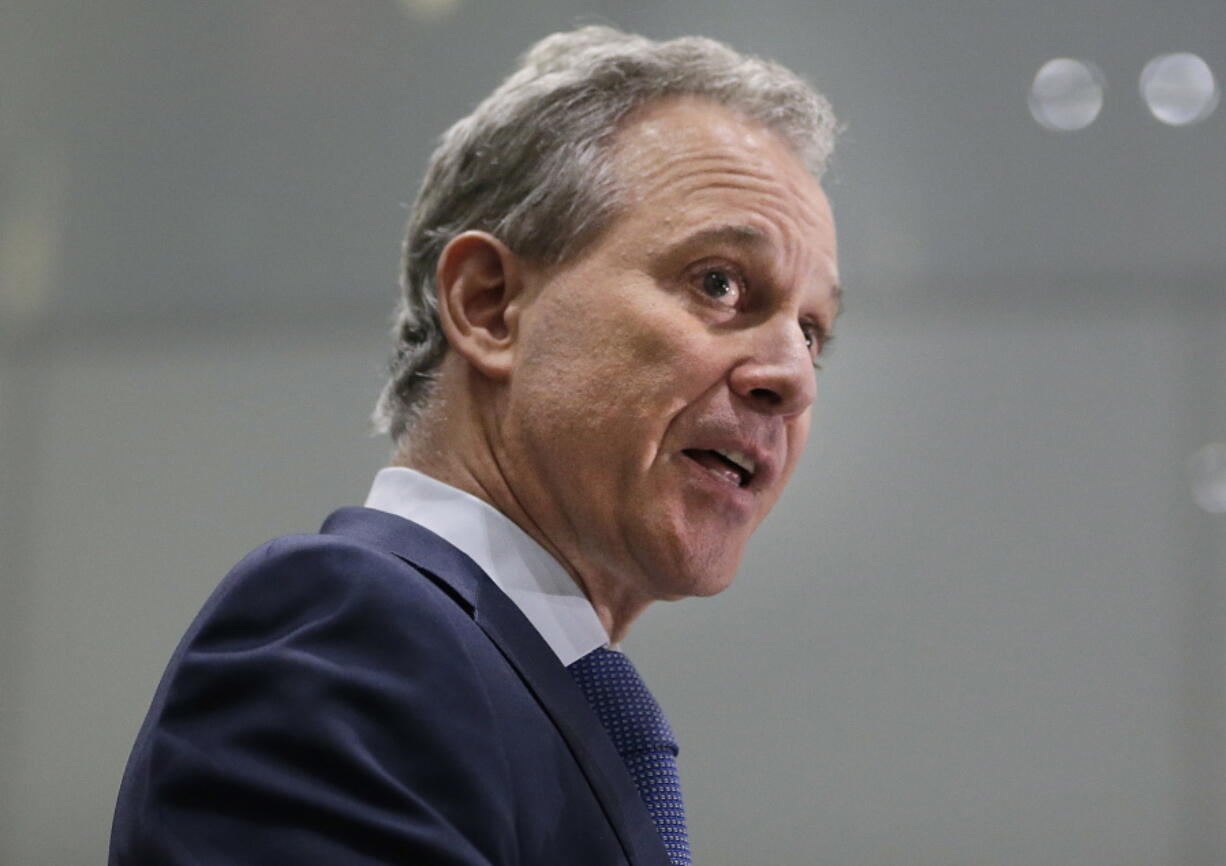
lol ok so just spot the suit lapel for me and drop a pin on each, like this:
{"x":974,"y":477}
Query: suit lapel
{"x":535,"y":662}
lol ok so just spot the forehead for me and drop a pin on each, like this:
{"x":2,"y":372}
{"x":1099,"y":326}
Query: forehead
{"x":692,"y":168}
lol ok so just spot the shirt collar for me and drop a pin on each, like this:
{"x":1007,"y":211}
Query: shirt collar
{"x":538,"y":585}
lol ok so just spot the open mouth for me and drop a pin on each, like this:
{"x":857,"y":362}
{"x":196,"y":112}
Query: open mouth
{"x":732,"y":466}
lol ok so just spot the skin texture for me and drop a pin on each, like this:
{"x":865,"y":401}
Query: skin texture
{"x":573,"y":393}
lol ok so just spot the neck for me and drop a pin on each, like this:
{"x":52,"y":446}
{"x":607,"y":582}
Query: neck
{"x":449,"y":444}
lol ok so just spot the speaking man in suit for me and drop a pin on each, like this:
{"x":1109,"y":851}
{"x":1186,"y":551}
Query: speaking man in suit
{"x":620,"y":273}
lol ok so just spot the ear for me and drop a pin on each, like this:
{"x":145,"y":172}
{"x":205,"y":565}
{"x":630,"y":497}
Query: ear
{"x":480,"y":292}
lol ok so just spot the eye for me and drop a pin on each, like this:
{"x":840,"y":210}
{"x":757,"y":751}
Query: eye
{"x":721,"y":285}
{"x":815,"y":340}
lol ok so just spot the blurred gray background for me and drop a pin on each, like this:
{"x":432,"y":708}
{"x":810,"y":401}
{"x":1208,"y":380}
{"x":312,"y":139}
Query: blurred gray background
{"x":985,"y":627}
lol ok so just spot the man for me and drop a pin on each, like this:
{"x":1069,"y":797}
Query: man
{"x":619,"y":276}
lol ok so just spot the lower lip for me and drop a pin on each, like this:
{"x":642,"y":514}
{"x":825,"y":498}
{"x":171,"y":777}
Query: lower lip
{"x":740,"y":498}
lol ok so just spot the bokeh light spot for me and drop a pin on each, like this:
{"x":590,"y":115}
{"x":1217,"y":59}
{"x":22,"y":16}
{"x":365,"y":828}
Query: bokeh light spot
{"x":1179,"y":89}
{"x":1066,"y":94}
{"x":1207,"y":475}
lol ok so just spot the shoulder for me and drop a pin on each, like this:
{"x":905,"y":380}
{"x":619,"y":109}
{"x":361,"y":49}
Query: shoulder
{"x":334,"y":674}
{"x":310,"y":608}
{"x":321,"y":582}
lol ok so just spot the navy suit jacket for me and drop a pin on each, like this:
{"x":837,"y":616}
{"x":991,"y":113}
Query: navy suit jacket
{"x":367,"y":695}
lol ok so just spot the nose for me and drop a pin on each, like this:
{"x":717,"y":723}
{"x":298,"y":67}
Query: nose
{"x":776,"y":377}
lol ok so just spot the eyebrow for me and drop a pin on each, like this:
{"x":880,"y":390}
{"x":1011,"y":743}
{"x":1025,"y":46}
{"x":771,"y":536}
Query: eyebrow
{"x":737,"y":234}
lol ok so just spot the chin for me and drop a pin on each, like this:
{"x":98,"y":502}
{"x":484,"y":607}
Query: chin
{"x":709,"y":587}
{"x":687,"y":561}
{"x":698,"y":577}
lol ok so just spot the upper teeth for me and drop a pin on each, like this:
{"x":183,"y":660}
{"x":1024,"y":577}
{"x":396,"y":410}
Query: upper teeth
{"x":739,"y":458}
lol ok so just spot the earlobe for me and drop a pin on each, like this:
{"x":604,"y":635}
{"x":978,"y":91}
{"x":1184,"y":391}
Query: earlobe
{"x":479,"y":283}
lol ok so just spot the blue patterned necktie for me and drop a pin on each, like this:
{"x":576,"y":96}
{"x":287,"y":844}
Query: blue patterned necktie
{"x":643,"y":739}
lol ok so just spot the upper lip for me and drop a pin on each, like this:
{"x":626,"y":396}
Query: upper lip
{"x":763,"y":463}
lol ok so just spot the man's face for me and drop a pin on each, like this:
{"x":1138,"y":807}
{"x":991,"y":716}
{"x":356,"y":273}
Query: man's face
{"x":660,"y":393}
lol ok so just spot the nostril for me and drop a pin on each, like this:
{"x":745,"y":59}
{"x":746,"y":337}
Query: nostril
{"x":766,"y":395}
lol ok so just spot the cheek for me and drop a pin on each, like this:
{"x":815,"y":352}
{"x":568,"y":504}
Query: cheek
{"x":671,"y":351}
{"x":629,"y":352}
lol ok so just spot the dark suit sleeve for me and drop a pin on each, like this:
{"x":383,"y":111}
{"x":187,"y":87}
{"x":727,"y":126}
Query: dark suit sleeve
{"x":323,"y":709}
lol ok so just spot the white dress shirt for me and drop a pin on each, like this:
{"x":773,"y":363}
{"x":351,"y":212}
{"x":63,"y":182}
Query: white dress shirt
{"x":538,"y":585}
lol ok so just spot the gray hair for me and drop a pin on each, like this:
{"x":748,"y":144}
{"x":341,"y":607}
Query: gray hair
{"x":531,"y":165}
